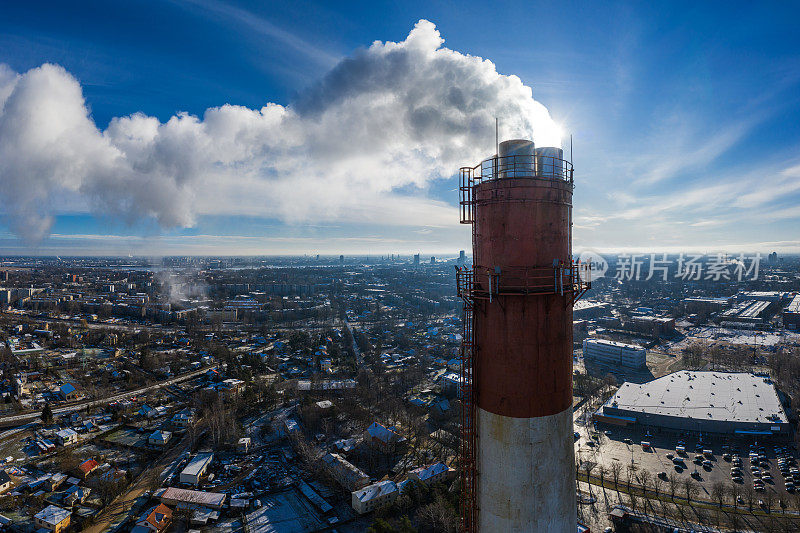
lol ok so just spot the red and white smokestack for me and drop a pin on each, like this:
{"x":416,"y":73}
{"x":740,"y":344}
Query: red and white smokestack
{"x":522,"y":377}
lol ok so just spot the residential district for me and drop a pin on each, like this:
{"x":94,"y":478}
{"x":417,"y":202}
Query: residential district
{"x":295,"y":394}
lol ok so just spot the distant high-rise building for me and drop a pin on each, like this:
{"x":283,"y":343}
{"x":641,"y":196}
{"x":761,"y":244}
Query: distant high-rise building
{"x":462,"y":256}
{"x":433,"y":259}
{"x":341,"y":259}
{"x":416,"y":259}
{"x":3,"y":275}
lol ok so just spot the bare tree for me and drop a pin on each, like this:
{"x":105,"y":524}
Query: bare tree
{"x":673,"y":484}
{"x":438,"y":516}
{"x":735,"y":491}
{"x":750,"y":496}
{"x":644,"y":479}
{"x":152,"y":479}
{"x":634,"y":500}
{"x":769,"y":500}
{"x":630,"y":471}
{"x":616,"y":469}
{"x":589,"y":466}
{"x":718,"y":493}
{"x":185,"y":514}
{"x":735,"y":521}
{"x":658,"y":486}
{"x":690,"y":489}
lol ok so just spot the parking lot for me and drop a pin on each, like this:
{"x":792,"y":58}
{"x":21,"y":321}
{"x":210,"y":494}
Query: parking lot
{"x":766,"y":474}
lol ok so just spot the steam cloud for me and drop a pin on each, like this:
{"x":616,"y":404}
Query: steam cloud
{"x":394,"y":115}
{"x":178,"y":287}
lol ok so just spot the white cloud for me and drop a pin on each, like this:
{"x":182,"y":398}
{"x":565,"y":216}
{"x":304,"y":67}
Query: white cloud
{"x":391,"y":116}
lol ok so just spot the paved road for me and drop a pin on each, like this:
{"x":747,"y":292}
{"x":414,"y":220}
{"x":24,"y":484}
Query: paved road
{"x":120,"y":326}
{"x":27,"y":417}
{"x":356,"y":351}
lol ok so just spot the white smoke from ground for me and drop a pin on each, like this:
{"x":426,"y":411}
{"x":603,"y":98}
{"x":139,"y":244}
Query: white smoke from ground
{"x":394,"y":115}
{"x":179,"y":287}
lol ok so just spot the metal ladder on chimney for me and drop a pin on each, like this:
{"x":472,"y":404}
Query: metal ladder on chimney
{"x":468,"y":444}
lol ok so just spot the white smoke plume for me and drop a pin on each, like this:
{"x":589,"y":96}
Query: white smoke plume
{"x":178,"y":287}
{"x":394,"y":115}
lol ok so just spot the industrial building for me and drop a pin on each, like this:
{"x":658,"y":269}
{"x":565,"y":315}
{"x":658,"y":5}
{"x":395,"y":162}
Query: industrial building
{"x":770,"y":296}
{"x":196,"y":468}
{"x":791,"y":315}
{"x":190,"y":498}
{"x":749,"y":312}
{"x":517,"y":455}
{"x":590,"y":309}
{"x":614,"y":353}
{"x":703,"y":304}
{"x":652,"y":325}
{"x":708,"y":402}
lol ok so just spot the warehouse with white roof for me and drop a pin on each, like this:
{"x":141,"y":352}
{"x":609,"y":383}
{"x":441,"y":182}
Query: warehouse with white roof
{"x":708,"y":402}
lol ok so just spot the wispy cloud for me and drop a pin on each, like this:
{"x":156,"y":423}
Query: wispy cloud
{"x":681,"y":146}
{"x":243,"y":18}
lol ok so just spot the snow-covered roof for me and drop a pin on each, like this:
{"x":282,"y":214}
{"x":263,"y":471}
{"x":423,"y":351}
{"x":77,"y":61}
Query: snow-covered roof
{"x":376,"y":490}
{"x":431,"y":471}
{"x":722,"y":396}
{"x":52,"y":515}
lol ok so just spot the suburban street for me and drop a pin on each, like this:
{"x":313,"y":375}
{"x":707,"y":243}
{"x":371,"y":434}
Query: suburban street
{"x":27,"y":417}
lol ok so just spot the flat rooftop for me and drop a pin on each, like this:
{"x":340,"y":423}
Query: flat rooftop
{"x":794,"y":306}
{"x":615,"y":344}
{"x":763,"y":295}
{"x":588,"y":304}
{"x":708,"y":299}
{"x":720,"y":396}
{"x":651,"y":318}
{"x":755,"y":310}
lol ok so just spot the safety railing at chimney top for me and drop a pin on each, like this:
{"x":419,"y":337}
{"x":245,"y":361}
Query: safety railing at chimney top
{"x":512,"y":166}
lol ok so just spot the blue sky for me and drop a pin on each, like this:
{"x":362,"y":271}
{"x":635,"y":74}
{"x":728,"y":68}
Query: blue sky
{"x":685,"y":117}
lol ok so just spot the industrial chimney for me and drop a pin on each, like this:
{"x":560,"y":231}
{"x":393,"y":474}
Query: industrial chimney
{"x":517,"y":453}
